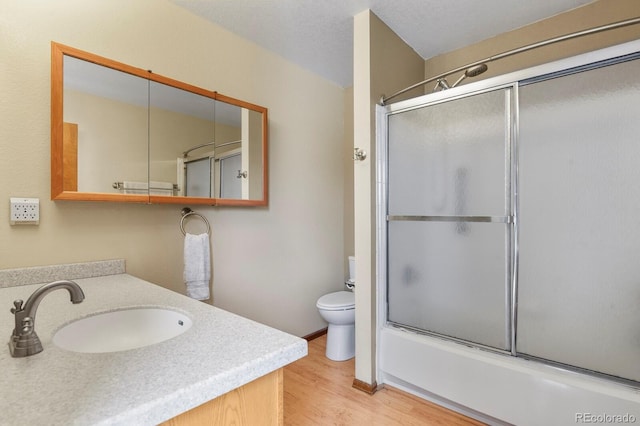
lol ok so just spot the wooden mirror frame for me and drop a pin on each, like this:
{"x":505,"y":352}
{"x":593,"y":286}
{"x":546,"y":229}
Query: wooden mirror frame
{"x":60,"y":191}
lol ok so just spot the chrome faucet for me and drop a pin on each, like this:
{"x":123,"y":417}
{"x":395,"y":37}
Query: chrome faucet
{"x":24,"y":340}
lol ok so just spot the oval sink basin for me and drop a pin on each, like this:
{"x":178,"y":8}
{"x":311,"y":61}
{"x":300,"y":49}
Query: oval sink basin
{"x":121,"y":330}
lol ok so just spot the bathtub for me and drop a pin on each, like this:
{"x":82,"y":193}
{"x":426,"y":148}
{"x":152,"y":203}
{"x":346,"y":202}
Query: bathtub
{"x":500,"y":389}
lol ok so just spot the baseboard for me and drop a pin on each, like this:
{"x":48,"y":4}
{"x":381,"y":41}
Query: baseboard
{"x":365,"y":387}
{"x":358,"y":384}
{"x":315,"y":334}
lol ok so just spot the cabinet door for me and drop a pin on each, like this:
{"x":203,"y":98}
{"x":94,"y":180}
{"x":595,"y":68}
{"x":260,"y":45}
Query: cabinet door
{"x":257,"y":403}
{"x":110,"y":111}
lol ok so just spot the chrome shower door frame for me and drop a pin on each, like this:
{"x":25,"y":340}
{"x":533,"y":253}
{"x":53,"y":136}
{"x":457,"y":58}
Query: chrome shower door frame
{"x":383,"y":217}
{"x":510,"y":82}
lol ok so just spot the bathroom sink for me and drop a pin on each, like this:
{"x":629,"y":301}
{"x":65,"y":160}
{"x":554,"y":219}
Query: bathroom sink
{"x":121,"y":330}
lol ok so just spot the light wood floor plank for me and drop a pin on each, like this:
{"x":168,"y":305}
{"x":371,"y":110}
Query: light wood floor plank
{"x":318,"y":391}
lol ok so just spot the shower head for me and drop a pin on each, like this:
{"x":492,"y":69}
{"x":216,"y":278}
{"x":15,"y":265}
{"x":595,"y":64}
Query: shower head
{"x":473,"y":71}
{"x":476,"y":70}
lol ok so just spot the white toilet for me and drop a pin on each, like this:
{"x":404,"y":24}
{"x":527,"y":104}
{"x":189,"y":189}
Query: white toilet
{"x":339,"y":310}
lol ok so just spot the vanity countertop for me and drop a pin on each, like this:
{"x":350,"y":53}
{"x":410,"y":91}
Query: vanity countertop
{"x":220,"y":352}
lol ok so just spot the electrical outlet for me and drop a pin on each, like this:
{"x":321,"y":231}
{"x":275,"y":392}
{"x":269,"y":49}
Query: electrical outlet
{"x":24,"y":211}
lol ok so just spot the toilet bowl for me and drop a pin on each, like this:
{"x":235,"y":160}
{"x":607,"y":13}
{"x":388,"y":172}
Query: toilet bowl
{"x":339,"y":310}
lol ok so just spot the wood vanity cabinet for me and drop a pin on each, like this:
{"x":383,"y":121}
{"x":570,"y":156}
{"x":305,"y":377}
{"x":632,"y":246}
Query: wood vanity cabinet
{"x":259,"y":402}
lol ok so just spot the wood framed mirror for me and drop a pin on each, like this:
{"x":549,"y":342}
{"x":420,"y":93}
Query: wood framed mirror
{"x":121,"y":133}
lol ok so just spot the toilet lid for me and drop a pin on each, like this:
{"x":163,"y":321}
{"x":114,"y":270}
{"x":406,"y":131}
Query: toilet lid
{"x":340,"y":300}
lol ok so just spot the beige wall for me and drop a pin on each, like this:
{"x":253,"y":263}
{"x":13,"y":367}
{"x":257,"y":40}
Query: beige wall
{"x":112,"y":143}
{"x":270,"y":264}
{"x":382,"y":62}
{"x":113,"y":136}
{"x":349,"y":248}
{"x":592,"y":15}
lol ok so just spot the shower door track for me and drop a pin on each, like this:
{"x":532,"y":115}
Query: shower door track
{"x":447,"y":338}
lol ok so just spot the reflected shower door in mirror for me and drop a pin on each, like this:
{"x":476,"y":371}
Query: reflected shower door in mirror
{"x":209,"y":148}
{"x":178,"y":120}
{"x":120,"y":133}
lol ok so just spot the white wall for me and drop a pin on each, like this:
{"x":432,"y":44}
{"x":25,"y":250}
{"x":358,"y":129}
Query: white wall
{"x":270,"y":264}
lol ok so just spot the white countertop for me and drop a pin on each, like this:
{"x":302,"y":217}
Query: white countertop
{"x":144,"y":386}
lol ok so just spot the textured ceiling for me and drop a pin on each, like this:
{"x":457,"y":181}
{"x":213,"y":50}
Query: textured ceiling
{"x":318,"y":34}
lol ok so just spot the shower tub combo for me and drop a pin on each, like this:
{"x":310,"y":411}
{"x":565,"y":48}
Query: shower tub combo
{"x":509,"y":243}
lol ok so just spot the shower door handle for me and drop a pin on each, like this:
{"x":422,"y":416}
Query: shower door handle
{"x":487,"y":219}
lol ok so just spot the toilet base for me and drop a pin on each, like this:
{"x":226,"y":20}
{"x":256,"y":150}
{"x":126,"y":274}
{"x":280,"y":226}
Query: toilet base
{"x":341,"y":342}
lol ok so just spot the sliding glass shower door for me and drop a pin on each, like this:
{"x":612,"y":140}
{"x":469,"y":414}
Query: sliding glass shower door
{"x":579,"y":232}
{"x":449,"y":227}
{"x":511,"y":216}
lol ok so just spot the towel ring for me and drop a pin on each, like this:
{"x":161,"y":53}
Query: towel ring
{"x":188,"y":212}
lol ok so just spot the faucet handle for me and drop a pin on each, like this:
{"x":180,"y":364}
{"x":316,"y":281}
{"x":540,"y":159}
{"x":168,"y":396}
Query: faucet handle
{"x":18,"y":306}
{"x":27,"y":325}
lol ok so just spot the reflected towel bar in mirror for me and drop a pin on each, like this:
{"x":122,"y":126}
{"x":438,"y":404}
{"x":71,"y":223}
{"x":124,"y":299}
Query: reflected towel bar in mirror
{"x":121,"y":185}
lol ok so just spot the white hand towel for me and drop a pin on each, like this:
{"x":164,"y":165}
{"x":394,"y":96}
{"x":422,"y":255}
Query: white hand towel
{"x":197,"y":266}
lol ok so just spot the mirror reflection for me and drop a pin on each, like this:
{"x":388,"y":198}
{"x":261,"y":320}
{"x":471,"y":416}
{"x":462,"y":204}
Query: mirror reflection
{"x":105,"y":125}
{"x":209,"y":148}
{"x":128,"y":133}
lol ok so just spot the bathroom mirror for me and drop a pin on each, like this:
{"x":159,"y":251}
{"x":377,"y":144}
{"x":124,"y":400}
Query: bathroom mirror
{"x":120,"y":133}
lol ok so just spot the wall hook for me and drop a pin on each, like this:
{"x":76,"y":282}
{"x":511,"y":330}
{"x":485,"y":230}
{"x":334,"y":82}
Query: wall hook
{"x":359,"y":154}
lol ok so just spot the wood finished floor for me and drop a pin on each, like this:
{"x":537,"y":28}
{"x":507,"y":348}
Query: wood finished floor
{"x":318,"y":391}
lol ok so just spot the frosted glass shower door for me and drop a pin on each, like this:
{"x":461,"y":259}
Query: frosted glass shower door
{"x":230,"y":181}
{"x":448,"y":230}
{"x":198,"y":178}
{"x":579,"y":233}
